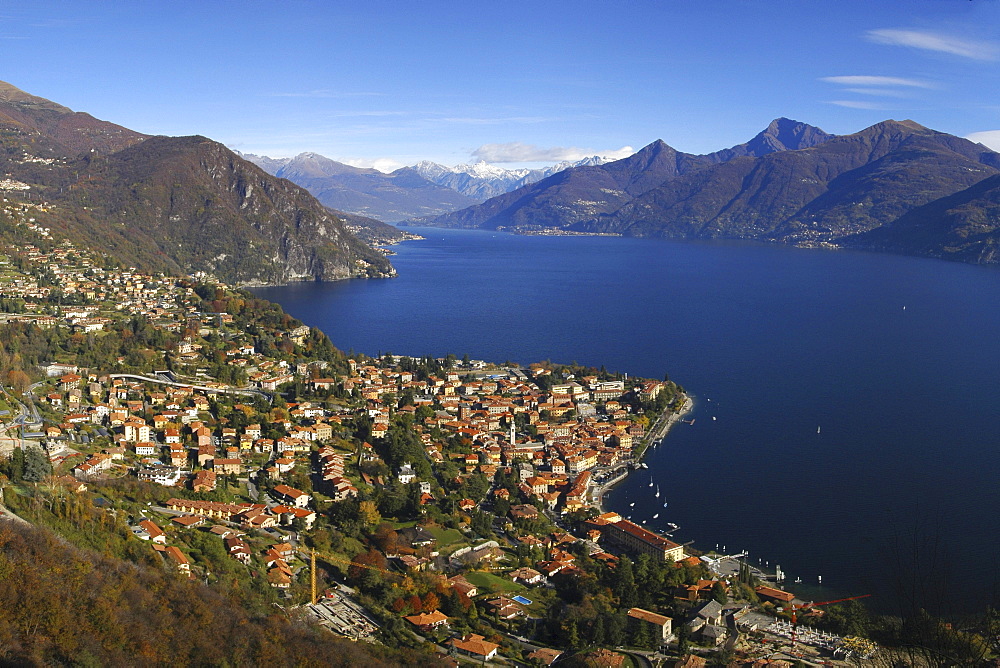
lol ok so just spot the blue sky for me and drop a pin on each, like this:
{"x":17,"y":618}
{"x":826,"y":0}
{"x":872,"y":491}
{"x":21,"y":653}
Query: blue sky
{"x":391,"y":83}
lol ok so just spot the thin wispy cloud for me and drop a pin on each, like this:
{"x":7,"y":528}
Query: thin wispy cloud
{"x":326,"y":93}
{"x":521,"y":152}
{"x":881,"y":92}
{"x":988,"y":138}
{"x":866,"y":80}
{"x":55,"y":23}
{"x":477,"y":120}
{"x":932,"y":41}
{"x":858,"y":104}
{"x":372,"y":113}
{"x":875,"y":86}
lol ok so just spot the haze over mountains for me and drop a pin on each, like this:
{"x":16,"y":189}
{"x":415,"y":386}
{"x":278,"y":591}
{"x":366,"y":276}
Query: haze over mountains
{"x":426,"y":189}
{"x":393,"y":197}
{"x":482,"y":180}
{"x":176,"y":204}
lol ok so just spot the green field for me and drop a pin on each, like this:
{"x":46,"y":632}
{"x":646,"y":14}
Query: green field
{"x":447,"y":538}
{"x":492,"y":584}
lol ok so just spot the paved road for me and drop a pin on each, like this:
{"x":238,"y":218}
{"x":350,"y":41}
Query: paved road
{"x":204,"y":388}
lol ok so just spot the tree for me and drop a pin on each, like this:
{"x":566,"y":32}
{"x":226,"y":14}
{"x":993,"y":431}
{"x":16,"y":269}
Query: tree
{"x":371,"y":561}
{"x":597,"y":632}
{"x":641,"y":635}
{"x":623,"y":584}
{"x":683,"y":638}
{"x":18,"y":380}
{"x":368,"y":513}
{"x":36,"y":465}
{"x":572,"y":635}
{"x":430,"y":602}
{"x":15,"y":468}
{"x":385,"y":538}
{"x":719,"y":593}
{"x":501,"y":506}
{"x":482,"y":523}
{"x":615,"y":631}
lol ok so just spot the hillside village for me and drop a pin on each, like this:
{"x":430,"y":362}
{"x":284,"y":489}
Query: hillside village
{"x":449,"y":504}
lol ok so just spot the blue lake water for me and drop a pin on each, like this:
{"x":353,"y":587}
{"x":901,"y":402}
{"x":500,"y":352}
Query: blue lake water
{"x":847,"y":404}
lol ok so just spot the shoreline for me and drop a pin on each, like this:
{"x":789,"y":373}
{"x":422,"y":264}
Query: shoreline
{"x":659,"y":431}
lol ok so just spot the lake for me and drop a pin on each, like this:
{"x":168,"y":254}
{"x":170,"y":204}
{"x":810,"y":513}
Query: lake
{"x":846,"y":403}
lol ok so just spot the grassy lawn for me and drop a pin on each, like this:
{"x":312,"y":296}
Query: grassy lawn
{"x":239,"y":491}
{"x":492,"y":584}
{"x":447,"y":538}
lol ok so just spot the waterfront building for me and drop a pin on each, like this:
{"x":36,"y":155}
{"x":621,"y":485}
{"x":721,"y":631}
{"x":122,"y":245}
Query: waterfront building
{"x":634,"y":538}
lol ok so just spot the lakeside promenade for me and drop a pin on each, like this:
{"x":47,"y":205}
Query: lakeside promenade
{"x":657,"y":432}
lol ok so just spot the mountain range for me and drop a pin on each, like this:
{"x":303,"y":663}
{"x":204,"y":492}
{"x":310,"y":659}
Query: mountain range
{"x":401,"y":195}
{"x":580,"y":194}
{"x":174,"y":204}
{"x":895,"y":186}
{"x":424,"y":190}
{"x":188,"y":204}
{"x":481,"y":180}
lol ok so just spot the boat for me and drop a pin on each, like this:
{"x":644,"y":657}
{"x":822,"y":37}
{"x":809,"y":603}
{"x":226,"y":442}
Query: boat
{"x":713,"y":417}
{"x":657,"y":491}
{"x":631,"y":505}
{"x":664,"y":504}
{"x":644,"y":465}
{"x":656,"y":515}
{"x":817,"y":430}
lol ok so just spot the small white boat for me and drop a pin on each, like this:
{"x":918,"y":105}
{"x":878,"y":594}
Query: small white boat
{"x":817,"y":430}
{"x":657,"y":491}
{"x":713,"y":417}
{"x":632,"y":505}
{"x":664,"y":504}
{"x":656,"y":515}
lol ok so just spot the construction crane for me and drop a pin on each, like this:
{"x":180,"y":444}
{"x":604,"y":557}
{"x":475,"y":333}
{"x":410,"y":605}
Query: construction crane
{"x":795,"y":607}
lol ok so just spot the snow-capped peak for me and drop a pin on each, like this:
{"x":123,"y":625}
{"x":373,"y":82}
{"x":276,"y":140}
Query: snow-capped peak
{"x":483,"y":180}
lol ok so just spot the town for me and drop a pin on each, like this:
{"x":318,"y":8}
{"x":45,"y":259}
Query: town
{"x":446,"y":504}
